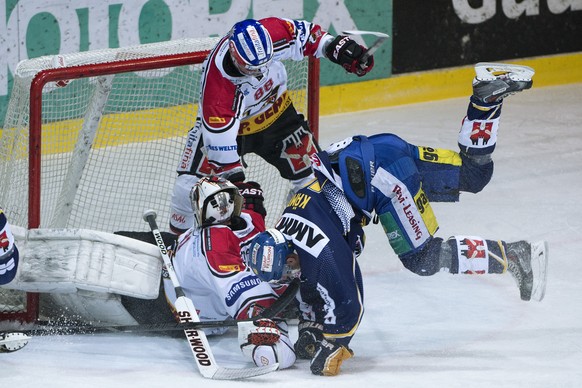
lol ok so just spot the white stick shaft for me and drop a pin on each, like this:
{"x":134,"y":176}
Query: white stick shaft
{"x":197,"y":340}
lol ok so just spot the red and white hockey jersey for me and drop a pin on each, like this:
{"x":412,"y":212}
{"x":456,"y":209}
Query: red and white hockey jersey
{"x":244,"y":105}
{"x":212,"y":273}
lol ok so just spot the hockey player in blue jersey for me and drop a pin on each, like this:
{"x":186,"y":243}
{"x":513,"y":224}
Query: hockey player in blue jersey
{"x":386,"y":178}
{"x":9,"y":254}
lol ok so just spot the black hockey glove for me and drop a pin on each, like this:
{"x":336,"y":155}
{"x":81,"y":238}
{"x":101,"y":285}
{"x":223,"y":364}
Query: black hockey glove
{"x":310,"y":334}
{"x":253,"y":195}
{"x":328,"y":358}
{"x":349,"y":54}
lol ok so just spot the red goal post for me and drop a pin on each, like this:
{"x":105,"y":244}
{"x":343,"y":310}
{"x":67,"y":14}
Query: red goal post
{"x":96,"y":150}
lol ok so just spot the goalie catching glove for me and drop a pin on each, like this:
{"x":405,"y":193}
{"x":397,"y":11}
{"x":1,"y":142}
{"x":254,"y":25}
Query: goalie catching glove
{"x":266,"y":343}
{"x":350,"y":55}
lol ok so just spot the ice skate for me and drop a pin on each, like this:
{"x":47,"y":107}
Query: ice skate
{"x":528,"y":265}
{"x":495,"y":81}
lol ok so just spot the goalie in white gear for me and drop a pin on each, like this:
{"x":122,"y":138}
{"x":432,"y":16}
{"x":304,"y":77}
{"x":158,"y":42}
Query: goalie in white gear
{"x":208,"y":262}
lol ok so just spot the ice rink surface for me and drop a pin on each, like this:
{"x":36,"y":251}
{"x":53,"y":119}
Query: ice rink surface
{"x":441,"y":331}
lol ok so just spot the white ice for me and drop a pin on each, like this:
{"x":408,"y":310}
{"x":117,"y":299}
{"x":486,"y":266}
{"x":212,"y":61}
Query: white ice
{"x":442,"y":331}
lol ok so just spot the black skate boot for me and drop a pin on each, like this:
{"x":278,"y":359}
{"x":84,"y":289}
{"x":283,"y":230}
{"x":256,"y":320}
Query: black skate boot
{"x":495,"y":81}
{"x":519,"y":265}
{"x":528,"y":264}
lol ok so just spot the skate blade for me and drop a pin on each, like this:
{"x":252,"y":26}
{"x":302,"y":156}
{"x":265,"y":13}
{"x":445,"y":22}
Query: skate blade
{"x":487,"y":71}
{"x":539,"y":265}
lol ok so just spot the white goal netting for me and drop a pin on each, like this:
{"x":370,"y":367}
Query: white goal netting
{"x":110,"y":144}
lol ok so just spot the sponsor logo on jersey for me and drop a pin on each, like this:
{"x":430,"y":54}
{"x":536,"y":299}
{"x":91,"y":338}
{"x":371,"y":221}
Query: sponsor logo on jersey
{"x":290,"y":27}
{"x":315,"y":161}
{"x":240,"y":287}
{"x":299,"y":200}
{"x":395,"y":234}
{"x":328,"y":305}
{"x":481,"y":131}
{"x":216,"y":120}
{"x":191,"y":144}
{"x":296,"y":148}
{"x":264,"y":120}
{"x":223,"y":147}
{"x":314,"y":36}
{"x":416,"y":224}
{"x":4,"y":241}
{"x":473,"y":255}
{"x":179,"y":218}
{"x":401,"y":197}
{"x":301,"y":32}
{"x":305,"y":234}
{"x":473,"y":248}
{"x":230,"y":268}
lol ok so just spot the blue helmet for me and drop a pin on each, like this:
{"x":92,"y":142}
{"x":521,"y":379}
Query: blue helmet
{"x":268,"y":253}
{"x":250,"y":46}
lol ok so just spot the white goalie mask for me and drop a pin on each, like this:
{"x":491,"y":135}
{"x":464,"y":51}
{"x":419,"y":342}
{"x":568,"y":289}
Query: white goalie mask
{"x":215,"y":200}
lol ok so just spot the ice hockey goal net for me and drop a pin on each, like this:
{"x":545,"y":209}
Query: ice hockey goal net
{"x":102,"y":147}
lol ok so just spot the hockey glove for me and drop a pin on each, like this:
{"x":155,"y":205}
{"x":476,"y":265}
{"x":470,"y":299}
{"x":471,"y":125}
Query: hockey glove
{"x":234,"y":172}
{"x":260,"y":332}
{"x":310,"y":334}
{"x":253,"y":195}
{"x":350,"y":55}
{"x":265,"y":344}
{"x":328,"y":358}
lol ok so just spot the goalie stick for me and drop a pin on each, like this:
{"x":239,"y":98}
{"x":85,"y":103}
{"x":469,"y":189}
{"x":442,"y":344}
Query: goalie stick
{"x":187,"y":312}
{"x":54,"y":329}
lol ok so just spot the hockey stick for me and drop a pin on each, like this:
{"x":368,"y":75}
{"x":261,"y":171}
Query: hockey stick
{"x":381,"y":37}
{"x":272,"y":311}
{"x":187,"y":312}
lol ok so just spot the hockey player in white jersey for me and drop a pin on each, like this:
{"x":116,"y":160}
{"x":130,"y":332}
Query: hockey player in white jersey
{"x":208,"y":263}
{"x":245,"y":106}
{"x":384,"y":174}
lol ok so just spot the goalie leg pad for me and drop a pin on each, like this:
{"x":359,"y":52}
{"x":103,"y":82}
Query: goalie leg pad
{"x":68,"y":260}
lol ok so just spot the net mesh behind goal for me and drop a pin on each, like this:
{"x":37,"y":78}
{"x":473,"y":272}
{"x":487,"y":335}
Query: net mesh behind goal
{"x":109,"y":141}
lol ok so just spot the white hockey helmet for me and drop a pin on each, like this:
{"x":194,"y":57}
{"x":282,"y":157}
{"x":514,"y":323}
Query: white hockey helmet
{"x":250,"y":47}
{"x":215,"y":200}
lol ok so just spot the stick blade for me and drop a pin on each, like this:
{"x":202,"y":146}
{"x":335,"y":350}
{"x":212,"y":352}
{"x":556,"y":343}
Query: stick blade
{"x":360,"y":32}
{"x":243,"y":373}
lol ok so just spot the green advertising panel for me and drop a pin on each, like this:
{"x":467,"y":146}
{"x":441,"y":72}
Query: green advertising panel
{"x":34,"y":28}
